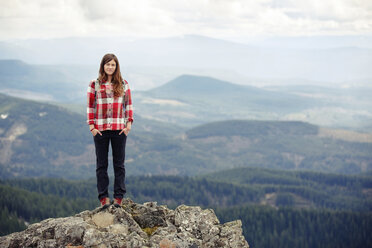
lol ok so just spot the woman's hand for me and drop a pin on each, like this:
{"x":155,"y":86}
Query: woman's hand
{"x":127,"y":129}
{"x":95,"y":131}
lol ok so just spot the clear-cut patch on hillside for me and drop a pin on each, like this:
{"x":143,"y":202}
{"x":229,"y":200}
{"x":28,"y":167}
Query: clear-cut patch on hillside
{"x":11,"y":137}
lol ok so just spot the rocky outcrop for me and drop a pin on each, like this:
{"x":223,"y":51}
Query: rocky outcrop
{"x":132,"y":225}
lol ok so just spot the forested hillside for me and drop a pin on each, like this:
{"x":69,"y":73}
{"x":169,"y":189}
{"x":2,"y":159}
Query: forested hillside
{"x":275,"y":144}
{"x":286,"y":227}
{"x":34,"y":143}
{"x":229,"y":188}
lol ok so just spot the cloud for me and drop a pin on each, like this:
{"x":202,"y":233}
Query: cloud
{"x":229,"y":19}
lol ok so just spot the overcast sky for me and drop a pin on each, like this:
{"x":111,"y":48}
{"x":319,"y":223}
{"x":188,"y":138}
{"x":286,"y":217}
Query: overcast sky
{"x":237,"y":20}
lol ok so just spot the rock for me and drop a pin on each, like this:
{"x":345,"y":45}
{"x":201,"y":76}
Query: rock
{"x":103,"y":219}
{"x":132,"y":225}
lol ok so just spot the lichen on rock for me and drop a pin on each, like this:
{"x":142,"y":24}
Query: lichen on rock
{"x":132,"y":225}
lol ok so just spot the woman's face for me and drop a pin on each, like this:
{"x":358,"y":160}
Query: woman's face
{"x":110,"y":67}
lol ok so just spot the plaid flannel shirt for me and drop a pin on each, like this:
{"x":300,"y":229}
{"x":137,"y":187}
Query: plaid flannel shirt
{"x":104,"y":110}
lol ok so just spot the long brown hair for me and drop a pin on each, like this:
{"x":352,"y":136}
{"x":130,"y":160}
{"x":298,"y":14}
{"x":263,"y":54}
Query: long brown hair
{"x":117,"y":80}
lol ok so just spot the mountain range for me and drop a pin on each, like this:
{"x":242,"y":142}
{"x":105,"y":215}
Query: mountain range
{"x":182,"y":100}
{"x":325,"y":63}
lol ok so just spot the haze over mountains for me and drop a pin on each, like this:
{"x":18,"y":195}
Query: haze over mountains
{"x":324,"y":59}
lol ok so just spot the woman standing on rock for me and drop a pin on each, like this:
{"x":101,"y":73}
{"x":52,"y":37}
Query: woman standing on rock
{"x":110,"y":117}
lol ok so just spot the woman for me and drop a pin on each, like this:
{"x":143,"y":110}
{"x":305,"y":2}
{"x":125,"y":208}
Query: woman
{"x":110,"y":117}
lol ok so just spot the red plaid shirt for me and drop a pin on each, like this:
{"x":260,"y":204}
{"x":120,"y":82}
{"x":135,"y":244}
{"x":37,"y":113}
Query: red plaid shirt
{"x":104,"y":110}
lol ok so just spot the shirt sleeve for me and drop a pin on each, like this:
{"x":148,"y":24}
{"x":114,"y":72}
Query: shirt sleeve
{"x":128,"y":103}
{"x":91,"y":106}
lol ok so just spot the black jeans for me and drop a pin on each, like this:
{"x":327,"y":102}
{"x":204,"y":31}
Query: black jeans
{"x":118,"y":154}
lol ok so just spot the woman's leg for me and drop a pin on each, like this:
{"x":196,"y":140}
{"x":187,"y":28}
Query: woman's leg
{"x":118,"y":153}
{"x":102,"y":147}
